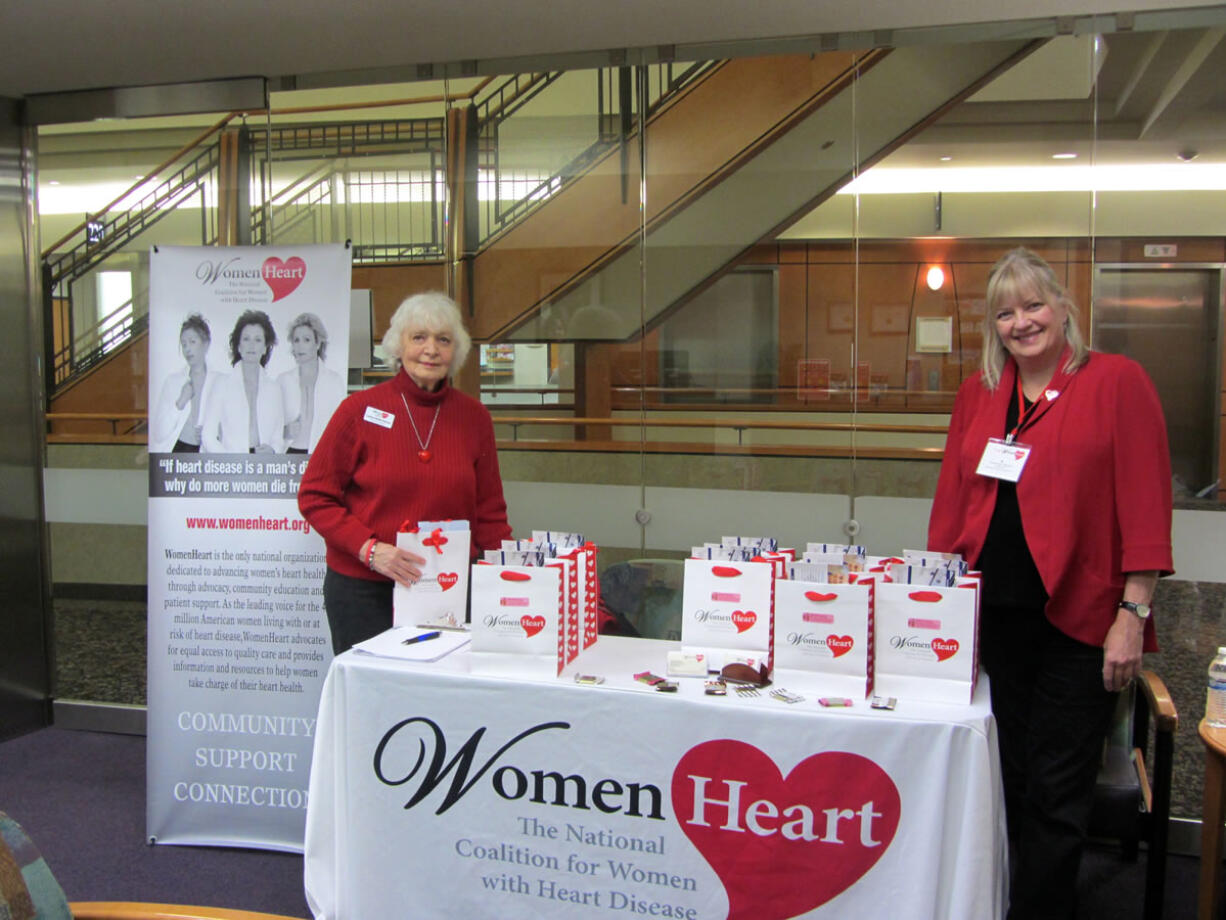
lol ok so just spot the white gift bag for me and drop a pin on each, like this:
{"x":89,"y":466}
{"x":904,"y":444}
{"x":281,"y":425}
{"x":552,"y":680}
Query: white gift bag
{"x":518,"y":620}
{"x":727,"y":606}
{"x":440,"y":596}
{"x":927,"y":645}
{"x":824,"y":636}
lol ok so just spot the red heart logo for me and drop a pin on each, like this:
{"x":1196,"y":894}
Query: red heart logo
{"x":743,"y":619}
{"x":447,"y":580}
{"x":532,"y":624}
{"x":283,"y":278}
{"x":819,"y":597}
{"x":945,"y":648}
{"x":761,"y":832}
{"x":839,"y":645}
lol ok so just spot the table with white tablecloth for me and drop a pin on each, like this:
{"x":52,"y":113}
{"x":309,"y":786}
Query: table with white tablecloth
{"x":439,"y":792}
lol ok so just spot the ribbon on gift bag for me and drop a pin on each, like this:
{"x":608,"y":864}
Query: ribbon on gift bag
{"x":440,"y":596}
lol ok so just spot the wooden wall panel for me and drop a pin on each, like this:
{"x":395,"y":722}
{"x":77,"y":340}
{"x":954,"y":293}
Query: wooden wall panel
{"x":118,"y":384}
{"x":391,"y":284}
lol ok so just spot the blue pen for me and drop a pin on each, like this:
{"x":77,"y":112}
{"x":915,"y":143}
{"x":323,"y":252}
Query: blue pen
{"x":422,"y":638}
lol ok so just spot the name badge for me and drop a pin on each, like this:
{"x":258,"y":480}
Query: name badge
{"x":1002,"y":460}
{"x":379,"y":417}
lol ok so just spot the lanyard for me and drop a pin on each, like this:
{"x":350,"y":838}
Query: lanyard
{"x":1025,"y":413}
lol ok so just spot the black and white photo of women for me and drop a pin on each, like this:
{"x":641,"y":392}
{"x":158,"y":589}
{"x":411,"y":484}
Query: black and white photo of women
{"x":247,"y":415}
{"x":176,"y":422}
{"x":310,"y":391}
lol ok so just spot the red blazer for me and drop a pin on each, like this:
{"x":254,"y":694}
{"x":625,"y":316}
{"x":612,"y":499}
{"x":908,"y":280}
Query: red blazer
{"x":1095,"y":495}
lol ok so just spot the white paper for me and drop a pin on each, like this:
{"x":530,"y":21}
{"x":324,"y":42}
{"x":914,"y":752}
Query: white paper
{"x":391,"y":644}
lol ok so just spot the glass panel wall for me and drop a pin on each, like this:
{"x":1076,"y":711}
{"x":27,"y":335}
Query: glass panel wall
{"x":725,"y":297}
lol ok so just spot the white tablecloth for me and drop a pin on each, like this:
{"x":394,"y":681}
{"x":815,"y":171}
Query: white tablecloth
{"x":436,"y":792}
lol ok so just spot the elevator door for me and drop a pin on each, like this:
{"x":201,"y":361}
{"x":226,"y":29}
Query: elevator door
{"x":1168,"y":320}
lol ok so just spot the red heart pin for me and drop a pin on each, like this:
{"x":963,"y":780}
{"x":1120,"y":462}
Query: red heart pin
{"x":839,"y":645}
{"x":447,"y":580}
{"x":761,"y":832}
{"x":743,"y":619}
{"x":283,"y":278}
{"x":945,"y":648}
{"x":532,"y":624}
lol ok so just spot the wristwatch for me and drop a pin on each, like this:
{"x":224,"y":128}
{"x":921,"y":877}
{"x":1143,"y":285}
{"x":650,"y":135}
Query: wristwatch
{"x":1141,"y":610}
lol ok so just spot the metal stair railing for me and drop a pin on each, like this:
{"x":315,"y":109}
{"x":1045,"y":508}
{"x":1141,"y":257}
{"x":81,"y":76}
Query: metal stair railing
{"x":138,"y":208}
{"x":528,"y":192}
{"x":292,"y":204}
{"x":88,"y":349}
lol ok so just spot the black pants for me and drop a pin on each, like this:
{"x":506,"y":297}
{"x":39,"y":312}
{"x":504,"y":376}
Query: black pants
{"x":357,"y":609}
{"x":1052,"y":715}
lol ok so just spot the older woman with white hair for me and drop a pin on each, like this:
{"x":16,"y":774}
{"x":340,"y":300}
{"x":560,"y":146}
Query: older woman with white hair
{"x":409,"y":449}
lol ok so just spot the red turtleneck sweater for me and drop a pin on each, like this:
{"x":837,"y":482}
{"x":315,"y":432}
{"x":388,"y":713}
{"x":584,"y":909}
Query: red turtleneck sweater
{"x":364,"y":479}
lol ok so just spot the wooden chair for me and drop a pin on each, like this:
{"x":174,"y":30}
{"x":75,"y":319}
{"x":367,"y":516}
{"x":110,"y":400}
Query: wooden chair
{"x":28,"y":890}
{"x":1132,"y":797}
{"x":133,"y":910}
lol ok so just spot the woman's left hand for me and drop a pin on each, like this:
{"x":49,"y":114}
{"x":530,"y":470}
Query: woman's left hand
{"x":1122,"y":650}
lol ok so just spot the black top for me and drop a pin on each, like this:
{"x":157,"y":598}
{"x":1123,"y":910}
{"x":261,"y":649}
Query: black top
{"x":1010,"y":578}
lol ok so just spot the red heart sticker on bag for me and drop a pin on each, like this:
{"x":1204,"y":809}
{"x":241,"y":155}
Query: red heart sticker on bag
{"x":532,"y":624}
{"x":283,"y":278}
{"x":447,"y":580}
{"x":945,"y":648}
{"x":839,"y":645}
{"x":743,"y":619}
{"x":761,"y":832}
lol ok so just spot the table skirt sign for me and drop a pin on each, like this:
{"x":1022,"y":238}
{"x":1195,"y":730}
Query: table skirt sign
{"x":438,"y":791}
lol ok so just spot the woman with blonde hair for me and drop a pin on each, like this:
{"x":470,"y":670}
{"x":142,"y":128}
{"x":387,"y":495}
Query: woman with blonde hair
{"x":1056,"y":484}
{"x":310,"y":391}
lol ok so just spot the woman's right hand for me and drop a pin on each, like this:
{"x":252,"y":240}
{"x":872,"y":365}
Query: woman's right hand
{"x":397,"y":564}
{"x":185,"y":394}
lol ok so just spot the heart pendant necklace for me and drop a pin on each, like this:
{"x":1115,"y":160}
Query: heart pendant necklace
{"x":423,"y":454}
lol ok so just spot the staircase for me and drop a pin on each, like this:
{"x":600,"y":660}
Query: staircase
{"x":735,"y":151}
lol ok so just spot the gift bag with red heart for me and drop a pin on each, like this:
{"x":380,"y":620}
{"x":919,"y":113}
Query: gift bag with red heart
{"x":440,"y":596}
{"x":927,"y":641}
{"x":824,"y":636}
{"x":727,"y":606}
{"x":579,"y":566}
{"x":519,"y":620}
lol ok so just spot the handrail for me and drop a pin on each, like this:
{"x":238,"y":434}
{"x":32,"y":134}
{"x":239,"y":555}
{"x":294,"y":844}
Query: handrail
{"x":740,"y":426}
{"x":376,"y":104}
{"x":735,"y":424}
{"x":730,"y":424}
{"x":153,"y":172}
